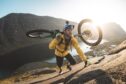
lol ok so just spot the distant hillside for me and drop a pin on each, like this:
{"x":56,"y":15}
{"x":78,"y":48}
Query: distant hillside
{"x":14,"y":26}
{"x":17,"y":49}
{"x":113,"y":32}
{"x":20,"y":48}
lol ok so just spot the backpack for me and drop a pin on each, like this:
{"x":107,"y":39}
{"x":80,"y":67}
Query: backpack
{"x":67,"y":43}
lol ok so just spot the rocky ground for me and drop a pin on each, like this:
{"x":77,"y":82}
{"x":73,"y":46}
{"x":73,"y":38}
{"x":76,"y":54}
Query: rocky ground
{"x":108,"y":69}
{"x":103,"y":49}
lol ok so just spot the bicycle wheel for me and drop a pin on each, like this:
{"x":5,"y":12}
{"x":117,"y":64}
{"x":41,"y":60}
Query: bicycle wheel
{"x":90,"y":33}
{"x":39,"y":33}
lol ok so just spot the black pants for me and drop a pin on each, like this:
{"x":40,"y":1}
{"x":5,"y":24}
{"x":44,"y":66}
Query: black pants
{"x":59,"y":60}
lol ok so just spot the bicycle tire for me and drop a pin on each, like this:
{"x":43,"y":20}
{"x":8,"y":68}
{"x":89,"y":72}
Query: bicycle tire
{"x":83,"y":39}
{"x":36,"y":33}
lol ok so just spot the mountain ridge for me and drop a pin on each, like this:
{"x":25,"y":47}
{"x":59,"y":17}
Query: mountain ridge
{"x":13,"y":28}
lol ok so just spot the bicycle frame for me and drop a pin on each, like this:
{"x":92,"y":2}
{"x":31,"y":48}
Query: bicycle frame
{"x":39,"y":33}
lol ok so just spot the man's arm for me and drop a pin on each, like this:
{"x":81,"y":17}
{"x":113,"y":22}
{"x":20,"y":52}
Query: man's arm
{"x":78,"y":49}
{"x":53,"y":43}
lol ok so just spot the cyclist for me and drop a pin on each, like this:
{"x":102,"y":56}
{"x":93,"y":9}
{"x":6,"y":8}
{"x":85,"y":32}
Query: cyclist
{"x":62,"y":43}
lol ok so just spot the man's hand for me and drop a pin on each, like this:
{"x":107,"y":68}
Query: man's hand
{"x":85,"y":64}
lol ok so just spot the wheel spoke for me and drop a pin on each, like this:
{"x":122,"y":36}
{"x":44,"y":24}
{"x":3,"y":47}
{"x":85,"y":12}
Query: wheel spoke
{"x":90,"y":33}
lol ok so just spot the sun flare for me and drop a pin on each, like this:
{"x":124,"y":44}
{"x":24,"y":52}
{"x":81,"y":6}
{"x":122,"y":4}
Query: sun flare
{"x":100,"y":11}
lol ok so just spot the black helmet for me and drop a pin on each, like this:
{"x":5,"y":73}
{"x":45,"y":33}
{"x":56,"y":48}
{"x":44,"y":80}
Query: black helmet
{"x":67,"y":22}
{"x":69,"y":27}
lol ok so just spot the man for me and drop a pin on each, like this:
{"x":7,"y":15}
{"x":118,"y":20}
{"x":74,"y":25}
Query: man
{"x":62,"y":43}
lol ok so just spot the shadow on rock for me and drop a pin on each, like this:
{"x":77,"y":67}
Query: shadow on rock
{"x":96,"y":77}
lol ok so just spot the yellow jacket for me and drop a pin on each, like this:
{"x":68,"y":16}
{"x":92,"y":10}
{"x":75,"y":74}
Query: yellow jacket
{"x":59,"y":49}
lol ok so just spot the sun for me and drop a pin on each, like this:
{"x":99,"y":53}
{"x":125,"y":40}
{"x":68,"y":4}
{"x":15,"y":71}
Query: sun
{"x":101,"y":12}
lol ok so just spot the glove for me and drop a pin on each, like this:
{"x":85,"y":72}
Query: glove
{"x":85,"y":64}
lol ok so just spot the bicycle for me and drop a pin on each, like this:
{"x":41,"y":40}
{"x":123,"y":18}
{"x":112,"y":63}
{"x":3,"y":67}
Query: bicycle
{"x":88,"y":32}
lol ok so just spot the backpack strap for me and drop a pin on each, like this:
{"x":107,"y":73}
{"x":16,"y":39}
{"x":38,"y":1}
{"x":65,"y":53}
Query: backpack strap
{"x":61,"y":41}
{"x":67,"y":43}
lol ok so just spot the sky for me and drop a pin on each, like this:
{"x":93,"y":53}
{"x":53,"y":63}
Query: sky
{"x":101,"y":11}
